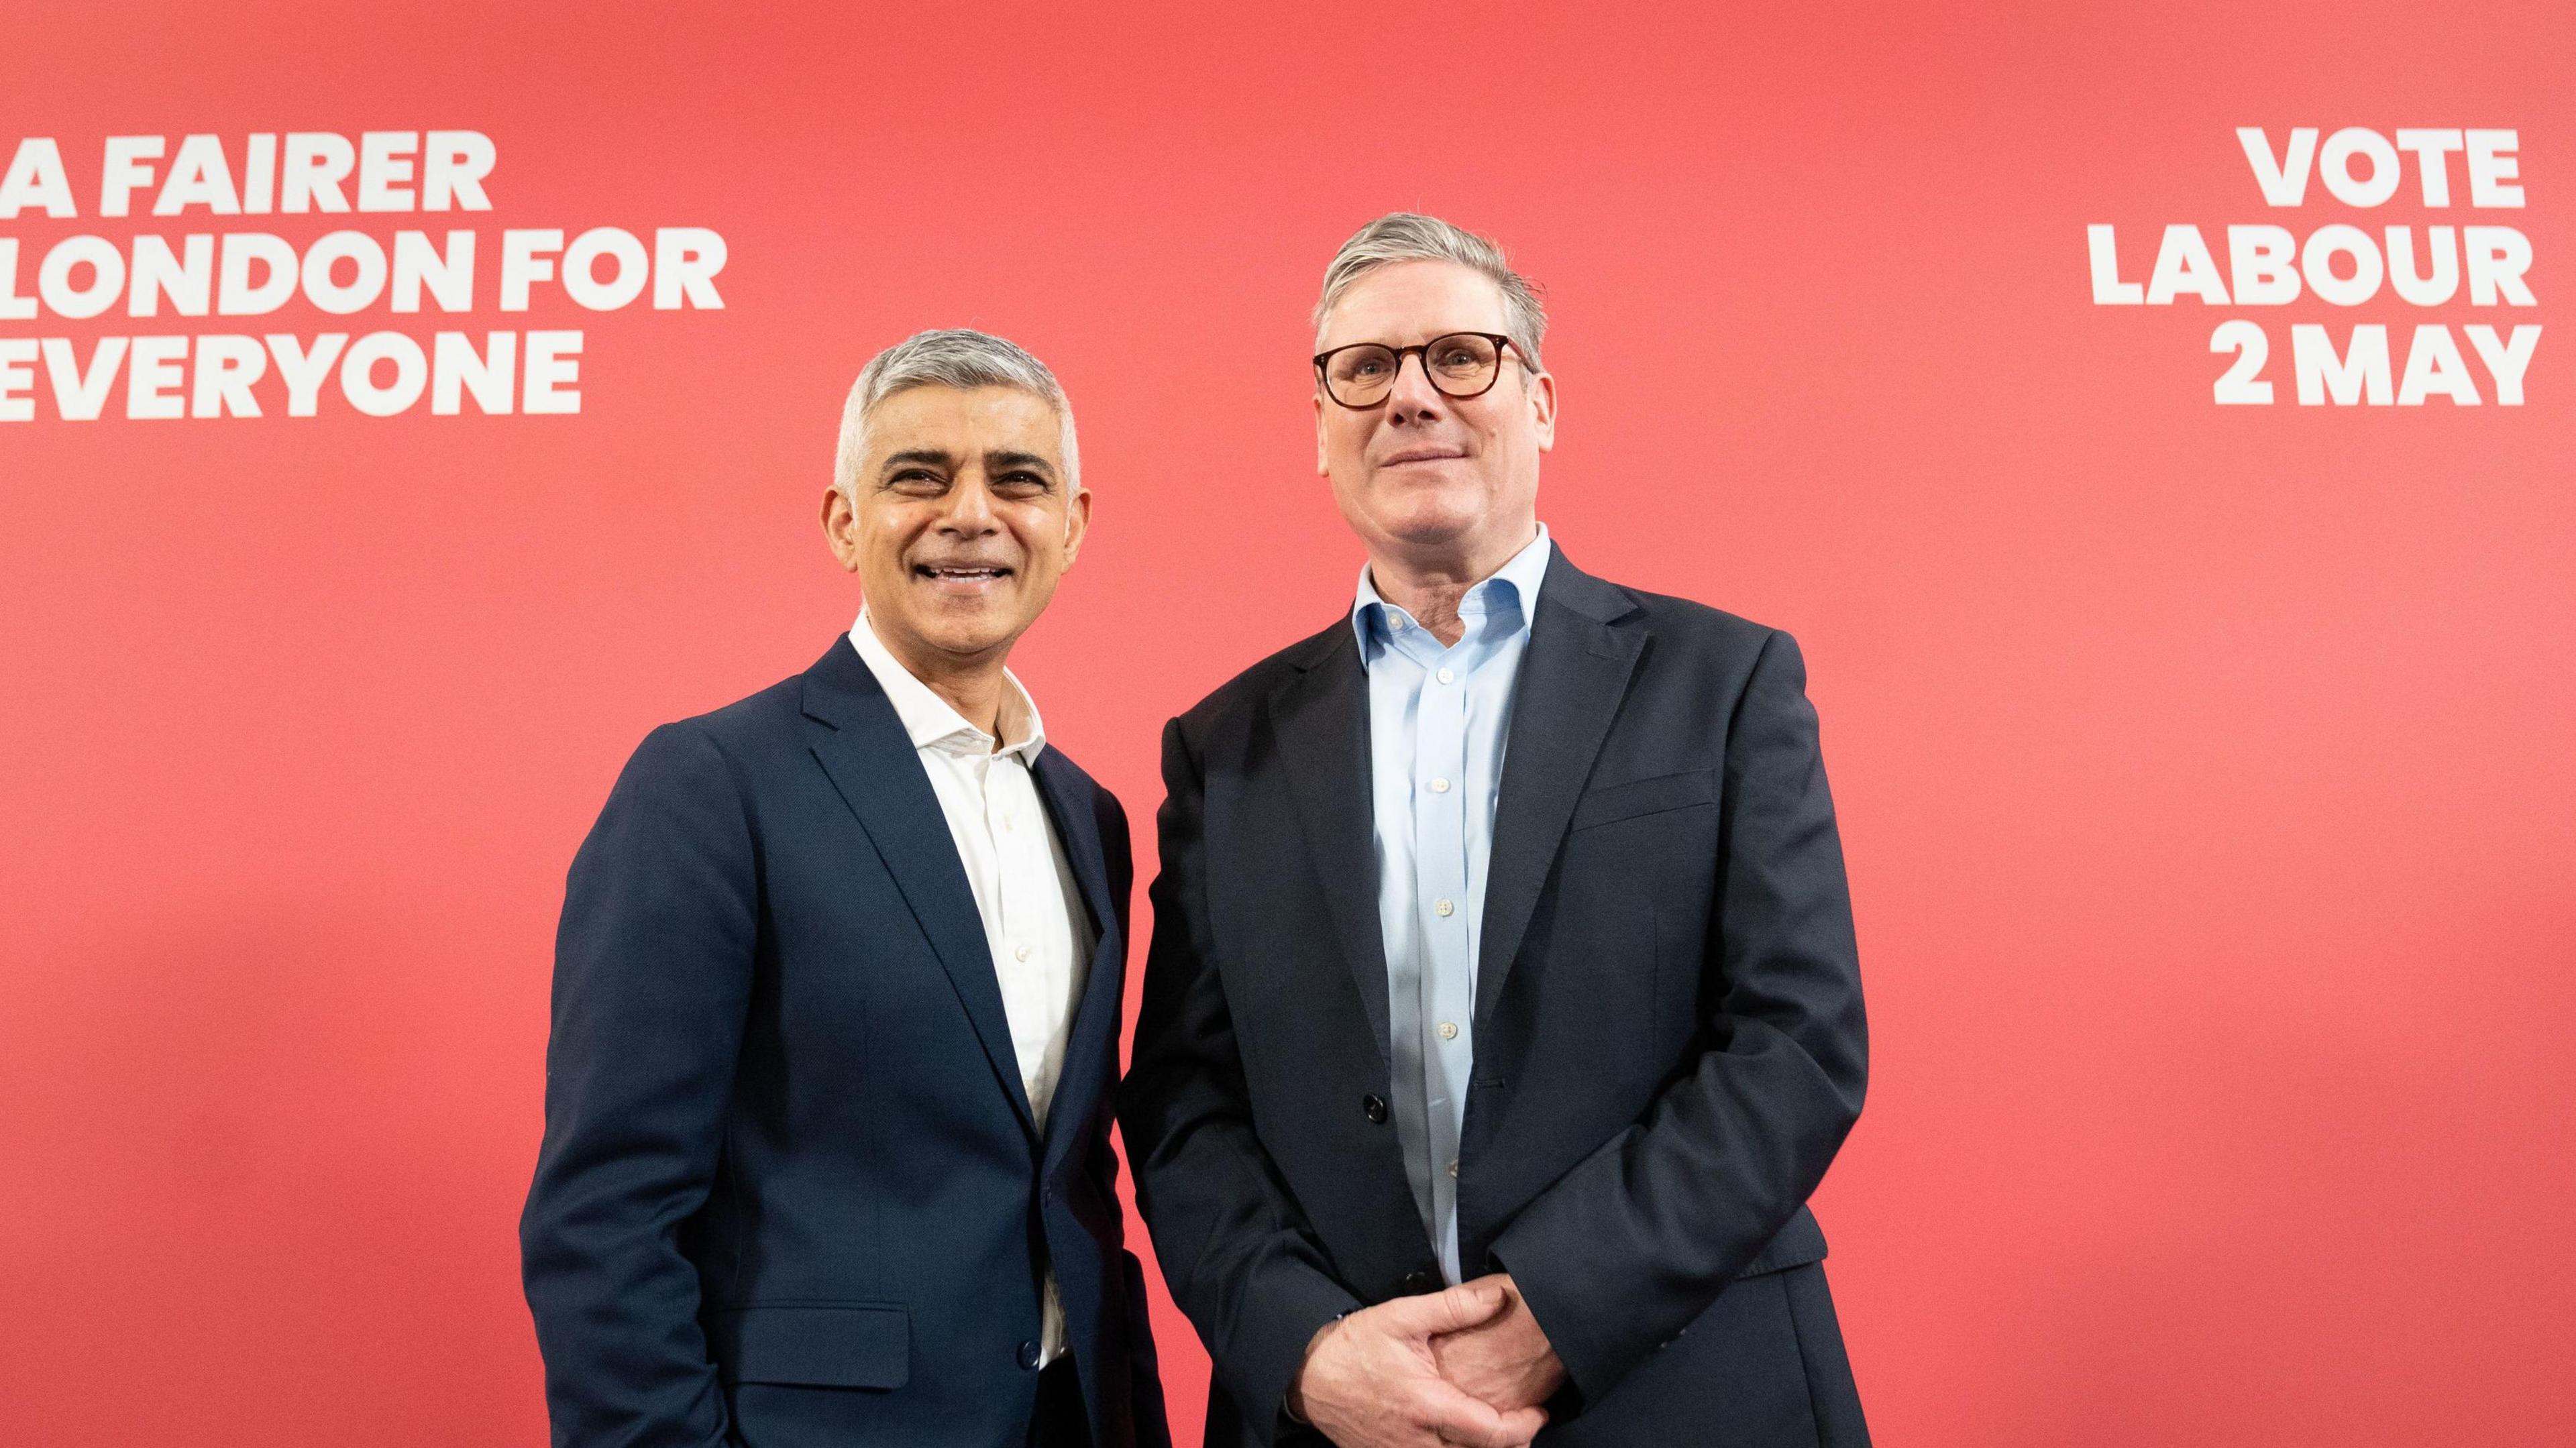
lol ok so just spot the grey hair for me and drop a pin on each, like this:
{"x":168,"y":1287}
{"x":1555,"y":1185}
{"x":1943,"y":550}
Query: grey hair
{"x":946,"y":357}
{"x":1402,"y":236}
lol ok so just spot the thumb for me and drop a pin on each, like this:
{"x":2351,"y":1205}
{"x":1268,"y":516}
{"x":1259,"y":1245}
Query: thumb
{"x":1453,"y":1309}
{"x":1458,"y":1417}
{"x":1522,"y":1424}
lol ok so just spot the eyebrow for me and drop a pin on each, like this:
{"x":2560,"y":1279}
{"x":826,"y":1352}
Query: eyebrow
{"x":993,"y":461}
{"x":996,"y":461}
{"x":930,"y":455}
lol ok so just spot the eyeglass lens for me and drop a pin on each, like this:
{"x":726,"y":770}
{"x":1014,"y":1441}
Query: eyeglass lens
{"x":1461,"y":365}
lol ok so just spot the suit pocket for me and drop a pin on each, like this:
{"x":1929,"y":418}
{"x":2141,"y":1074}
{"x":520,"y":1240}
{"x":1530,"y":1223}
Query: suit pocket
{"x":814,"y":1345}
{"x":1795,"y":1245}
{"x":1636,"y":797}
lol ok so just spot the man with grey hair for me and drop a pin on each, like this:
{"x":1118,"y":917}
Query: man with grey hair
{"x":837,"y":995}
{"x":1502,"y":1009}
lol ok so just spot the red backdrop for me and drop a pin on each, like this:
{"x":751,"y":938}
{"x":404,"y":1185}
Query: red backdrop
{"x":2205,"y":771}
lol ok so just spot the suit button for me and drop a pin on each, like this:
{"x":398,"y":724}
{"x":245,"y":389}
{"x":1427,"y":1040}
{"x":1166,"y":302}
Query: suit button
{"x":1374,"y":1108}
{"x":1417,"y":1283}
{"x":1029,"y":1354}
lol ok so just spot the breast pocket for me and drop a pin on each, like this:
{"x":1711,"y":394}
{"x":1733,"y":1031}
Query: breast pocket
{"x":1635,"y":882}
{"x":1632,"y":799}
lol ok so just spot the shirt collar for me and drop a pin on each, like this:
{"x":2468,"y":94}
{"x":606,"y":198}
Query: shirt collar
{"x":1372,"y":616}
{"x":932,"y":723}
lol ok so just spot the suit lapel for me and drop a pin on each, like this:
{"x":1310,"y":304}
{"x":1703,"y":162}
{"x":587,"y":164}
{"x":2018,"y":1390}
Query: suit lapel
{"x":1094,"y":1027}
{"x":871,"y":762}
{"x":1572,"y":681}
{"x":1321,"y":716}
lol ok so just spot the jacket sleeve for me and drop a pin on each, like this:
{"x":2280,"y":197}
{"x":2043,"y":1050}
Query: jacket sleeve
{"x":1236,"y":1249}
{"x":653,"y":966}
{"x":1625,"y":1250}
{"x":1144,"y":1370}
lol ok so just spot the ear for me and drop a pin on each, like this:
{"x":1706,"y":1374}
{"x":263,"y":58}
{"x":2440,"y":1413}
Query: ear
{"x":1542,"y":396}
{"x":1077,"y":524}
{"x":1323,"y":464}
{"x":841,"y":527}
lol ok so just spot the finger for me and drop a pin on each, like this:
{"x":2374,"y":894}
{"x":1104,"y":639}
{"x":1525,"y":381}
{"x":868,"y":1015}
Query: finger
{"x":1515,"y":1430}
{"x":1452,"y":1309}
{"x":1459,"y":1417}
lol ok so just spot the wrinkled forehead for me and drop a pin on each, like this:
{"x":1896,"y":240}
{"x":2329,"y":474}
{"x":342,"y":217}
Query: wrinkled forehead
{"x":1407,"y":302}
{"x":964,"y":420}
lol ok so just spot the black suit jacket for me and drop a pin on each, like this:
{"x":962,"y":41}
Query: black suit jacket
{"x":1669,"y":1037}
{"x":791,"y":1191}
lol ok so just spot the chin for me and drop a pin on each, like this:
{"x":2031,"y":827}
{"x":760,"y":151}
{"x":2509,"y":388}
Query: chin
{"x":970,"y":635}
{"x":1437,"y":501}
{"x":1432,"y":525}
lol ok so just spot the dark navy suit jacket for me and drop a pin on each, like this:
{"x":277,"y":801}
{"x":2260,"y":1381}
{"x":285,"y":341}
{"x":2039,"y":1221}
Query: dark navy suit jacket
{"x":791,"y":1192}
{"x":1669,"y":1038}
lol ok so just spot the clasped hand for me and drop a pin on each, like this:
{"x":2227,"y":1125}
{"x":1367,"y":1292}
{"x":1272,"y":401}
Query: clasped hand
{"x":1467,"y":1365}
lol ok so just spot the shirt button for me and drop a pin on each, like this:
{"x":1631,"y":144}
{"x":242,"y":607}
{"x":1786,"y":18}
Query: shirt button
{"x":1020,"y":953}
{"x":1443,"y":908}
{"x":1448,"y":1030}
{"x":1453,"y":1171}
{"x":1439,"y":786}
{"x":1447,"y":677}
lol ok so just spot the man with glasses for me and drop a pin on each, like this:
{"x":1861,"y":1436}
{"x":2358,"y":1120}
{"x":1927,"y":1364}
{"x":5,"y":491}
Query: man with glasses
{"x":1502,"y":1009}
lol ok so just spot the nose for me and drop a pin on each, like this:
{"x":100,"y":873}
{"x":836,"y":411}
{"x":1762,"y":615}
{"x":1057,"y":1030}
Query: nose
{"x":969,"y":513}
{"x":1412,"y":398}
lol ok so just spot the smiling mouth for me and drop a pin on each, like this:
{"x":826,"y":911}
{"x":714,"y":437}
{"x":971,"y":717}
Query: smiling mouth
{"x":961,"y":576}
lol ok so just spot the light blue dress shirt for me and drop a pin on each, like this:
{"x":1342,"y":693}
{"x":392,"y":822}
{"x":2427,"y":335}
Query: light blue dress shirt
{"x":1438,"y":719}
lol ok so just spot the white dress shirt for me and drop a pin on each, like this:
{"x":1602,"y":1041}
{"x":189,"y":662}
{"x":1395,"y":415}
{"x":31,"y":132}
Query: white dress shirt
{"x":1023,"y":886}
{"x":1439,"y":716}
